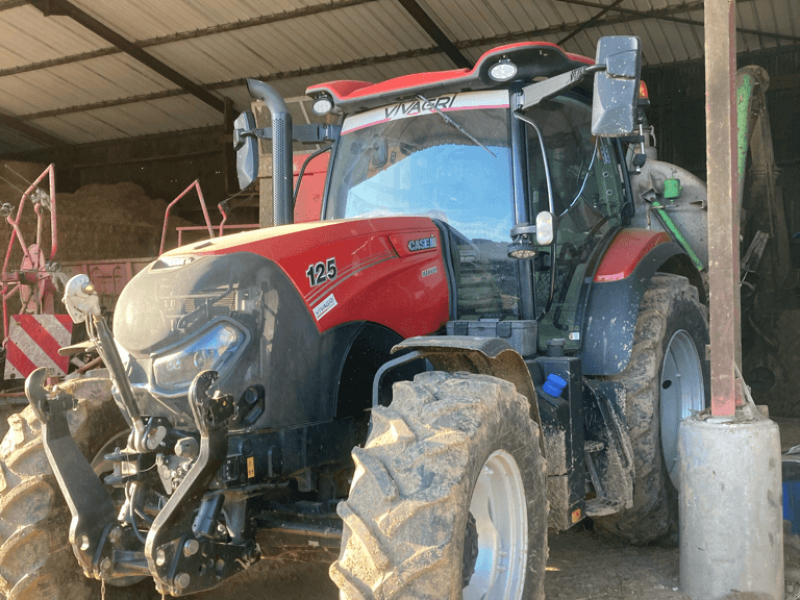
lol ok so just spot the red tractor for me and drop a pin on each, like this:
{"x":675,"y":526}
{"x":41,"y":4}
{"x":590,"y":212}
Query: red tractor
{"x":471,"y":345}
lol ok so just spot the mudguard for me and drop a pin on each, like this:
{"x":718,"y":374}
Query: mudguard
{"x":619,"y":284}
{"x":486,"y":356}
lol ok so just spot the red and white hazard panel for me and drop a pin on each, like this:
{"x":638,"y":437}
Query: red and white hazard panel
{"x":33,"y":342}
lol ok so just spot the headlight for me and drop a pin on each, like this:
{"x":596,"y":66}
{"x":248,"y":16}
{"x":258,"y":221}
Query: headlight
{"x":215,"y":349}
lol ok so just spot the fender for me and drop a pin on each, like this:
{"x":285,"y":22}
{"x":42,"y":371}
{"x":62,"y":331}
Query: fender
{"x":619,"y":283}
{"x":485,"y":356}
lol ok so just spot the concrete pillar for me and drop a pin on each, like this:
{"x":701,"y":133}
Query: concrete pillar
{"x":731,"y":506}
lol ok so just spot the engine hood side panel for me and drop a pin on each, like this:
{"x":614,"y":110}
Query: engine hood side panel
{"x":287,"y":361}
{"x":388,"y":270}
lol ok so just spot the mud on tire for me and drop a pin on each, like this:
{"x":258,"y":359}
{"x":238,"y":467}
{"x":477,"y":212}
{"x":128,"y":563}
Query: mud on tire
{"x":36,"y":559}
{"x":669,"y":305}
{"x":407,"y":518}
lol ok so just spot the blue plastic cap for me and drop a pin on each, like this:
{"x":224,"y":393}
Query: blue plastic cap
{"x":554,"y":385}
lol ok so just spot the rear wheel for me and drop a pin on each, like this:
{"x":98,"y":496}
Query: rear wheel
{"x":448,"y":499}
{"x":666,"y":380}
{"x":36,"y":558}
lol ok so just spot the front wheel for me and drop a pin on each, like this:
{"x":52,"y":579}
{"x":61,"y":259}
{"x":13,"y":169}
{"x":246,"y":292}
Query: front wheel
{"x":36,"y":558}
{"x":448,"y":499}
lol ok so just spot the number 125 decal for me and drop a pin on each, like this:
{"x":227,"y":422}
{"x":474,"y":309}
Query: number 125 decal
{"x":321,"y":272}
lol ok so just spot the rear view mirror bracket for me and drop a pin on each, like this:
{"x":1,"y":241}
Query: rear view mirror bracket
{"x":245,"y":144}
{"x":534,"y":93}
{"x":304,"y":134}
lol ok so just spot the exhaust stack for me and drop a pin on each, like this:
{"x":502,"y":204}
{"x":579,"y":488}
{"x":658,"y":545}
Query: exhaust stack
{"x":282,"y":194}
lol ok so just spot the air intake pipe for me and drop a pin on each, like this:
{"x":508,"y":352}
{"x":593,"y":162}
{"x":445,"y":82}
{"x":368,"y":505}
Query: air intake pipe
{"x":282,"y":213}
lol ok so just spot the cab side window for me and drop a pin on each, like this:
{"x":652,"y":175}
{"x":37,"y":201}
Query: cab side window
{"x":585,"y":174}
{"x":588,"y":194}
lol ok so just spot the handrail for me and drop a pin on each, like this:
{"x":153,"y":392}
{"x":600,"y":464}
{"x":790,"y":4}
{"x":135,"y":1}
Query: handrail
{"x":195,"y":184}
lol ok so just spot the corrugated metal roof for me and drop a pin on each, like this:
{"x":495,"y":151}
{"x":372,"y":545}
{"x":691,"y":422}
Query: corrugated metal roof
{"x":378,"y":29}
{"x":152,"y":18}
{"x":27,"y":37}
{"x":84,"y":82}
{"x":107,"y":94}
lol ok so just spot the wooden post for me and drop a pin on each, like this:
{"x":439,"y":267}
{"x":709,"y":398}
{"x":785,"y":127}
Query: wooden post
{"x":723,"y":209}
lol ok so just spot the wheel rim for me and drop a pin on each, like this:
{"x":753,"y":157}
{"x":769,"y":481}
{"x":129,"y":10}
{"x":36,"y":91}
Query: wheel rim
{"x":500,"y":510}
{"x":682,"y":393}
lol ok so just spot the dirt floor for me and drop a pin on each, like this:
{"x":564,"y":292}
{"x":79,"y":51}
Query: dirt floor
{"x":582,"y":566}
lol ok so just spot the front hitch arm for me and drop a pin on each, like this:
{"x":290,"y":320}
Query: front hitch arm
{"x":183,"y":550}
{"x":92,"y":509}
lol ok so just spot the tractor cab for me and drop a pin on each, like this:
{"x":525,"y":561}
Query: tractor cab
{"x":504,"y":159}
{"x":477,"y":168}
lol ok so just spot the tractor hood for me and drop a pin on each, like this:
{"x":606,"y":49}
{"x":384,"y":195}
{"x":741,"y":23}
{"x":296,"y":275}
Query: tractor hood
{"x":223,"y":304}
{"x":362,"y":267}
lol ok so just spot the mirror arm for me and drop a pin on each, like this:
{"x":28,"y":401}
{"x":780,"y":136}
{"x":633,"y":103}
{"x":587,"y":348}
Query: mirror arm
{"x":534,"y":93}
{"x":305,"y":134}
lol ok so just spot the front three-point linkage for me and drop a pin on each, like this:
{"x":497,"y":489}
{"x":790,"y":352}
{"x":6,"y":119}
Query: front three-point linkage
{"x":186,"y":549}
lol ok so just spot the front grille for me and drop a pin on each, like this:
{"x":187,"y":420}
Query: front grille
{"x":178,"y":306}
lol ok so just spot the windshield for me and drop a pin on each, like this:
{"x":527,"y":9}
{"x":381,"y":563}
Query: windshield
{"x":407,"y":159}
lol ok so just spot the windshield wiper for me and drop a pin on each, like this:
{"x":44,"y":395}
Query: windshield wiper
{"x":454,"y":124}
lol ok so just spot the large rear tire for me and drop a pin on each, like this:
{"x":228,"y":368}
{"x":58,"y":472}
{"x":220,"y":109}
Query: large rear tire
{"x":448,"y":496}
{"x":36,"y":558}
{"x":666,"y":380}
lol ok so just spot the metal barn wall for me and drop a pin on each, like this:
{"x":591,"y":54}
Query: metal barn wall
{"x":162,"y":165}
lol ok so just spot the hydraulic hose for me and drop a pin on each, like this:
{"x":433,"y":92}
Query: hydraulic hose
{"x":282,"y":197}
{"x":108,"y":351}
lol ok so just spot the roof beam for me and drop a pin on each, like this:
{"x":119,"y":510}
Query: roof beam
{"x":279,"y":76}
{"x":372,"y":60}
{"x":435,"y":32}
{"x":666,"y":14}
{"x":65,"y":8}
{"x":6,"y":4}
{"x":588,"y":23}
{"x":184,"y":35}
{"x":31,"y":132}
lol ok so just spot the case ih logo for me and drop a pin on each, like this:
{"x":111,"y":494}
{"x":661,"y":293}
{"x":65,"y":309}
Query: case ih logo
{"x":422,"y":244}
{"x":420,"y":106}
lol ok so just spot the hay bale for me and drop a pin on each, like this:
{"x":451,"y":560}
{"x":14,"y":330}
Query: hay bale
{"x":97,"y":222}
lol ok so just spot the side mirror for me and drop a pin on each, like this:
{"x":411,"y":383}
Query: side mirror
{"x":616,"y":89}
{"x":246,"y":147}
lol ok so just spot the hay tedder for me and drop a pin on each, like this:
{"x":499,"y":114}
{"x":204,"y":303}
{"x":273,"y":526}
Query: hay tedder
{"x":37,"y":332}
